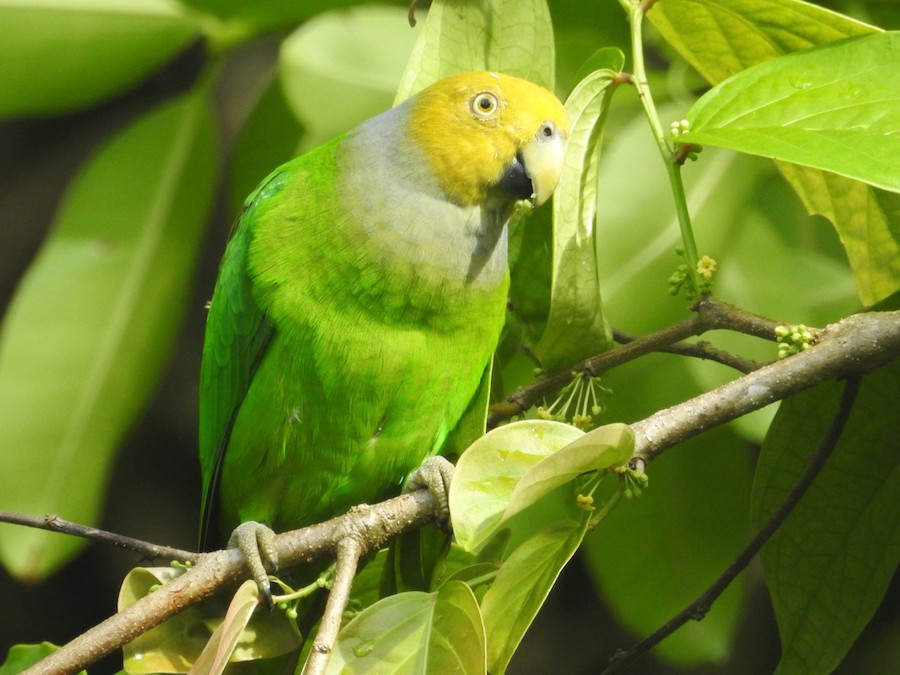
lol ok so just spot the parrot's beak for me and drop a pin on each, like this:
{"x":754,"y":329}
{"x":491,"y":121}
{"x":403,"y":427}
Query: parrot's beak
{"x":543,"y":161}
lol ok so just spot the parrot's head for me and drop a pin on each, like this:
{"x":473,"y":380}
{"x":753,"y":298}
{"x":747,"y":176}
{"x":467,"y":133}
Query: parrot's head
{"x":491,"y":138}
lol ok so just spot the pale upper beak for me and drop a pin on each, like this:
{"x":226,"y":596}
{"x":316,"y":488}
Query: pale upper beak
{"x":543,"y":160}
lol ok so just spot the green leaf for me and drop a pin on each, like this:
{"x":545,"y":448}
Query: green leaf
{"x":217,"y":653}
{"x":522,"y":584}
{"x":530,"y":265}
{"x":170,"y":647}
{"x":724,"y":37}
{"x":867,"y":220}
{"x":90,"y":328}
{"x":835,"y":107}
{"x":576,"y":327}
{"x":338,"y":69}
{"x":830,"y":563}
{"x":526,"y":522}
{"x":21,"y":657}
{"x":603,"y":448}
{"x":63,"y":55}
{"x":415,"y":633}
{"x":175,"y":645}
{"x":487,"y":473}
{"x":509,"y":36}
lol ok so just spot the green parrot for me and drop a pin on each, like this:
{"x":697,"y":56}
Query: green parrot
{"x":360,"y":300}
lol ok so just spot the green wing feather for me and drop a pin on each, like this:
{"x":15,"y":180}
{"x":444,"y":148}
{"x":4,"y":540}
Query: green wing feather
{"x":238,"y":333}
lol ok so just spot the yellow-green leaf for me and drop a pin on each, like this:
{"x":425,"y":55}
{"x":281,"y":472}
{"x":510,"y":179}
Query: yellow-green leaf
{"x":487,"y":474}
{"x":576,"y":326}
{"x":834,"y":107}
{"x":414,"y":633}
{"x":603,"y":448}
{"x":867,"y":220}
{"x":724,"y":37}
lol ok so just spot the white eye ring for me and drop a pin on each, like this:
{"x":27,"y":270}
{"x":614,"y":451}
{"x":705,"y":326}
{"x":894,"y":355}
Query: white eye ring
{"x":484,"y":104}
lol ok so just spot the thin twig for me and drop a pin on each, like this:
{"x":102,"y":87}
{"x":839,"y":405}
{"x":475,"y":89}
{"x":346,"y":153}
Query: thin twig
{"x":699,"y":350}
{"x":710,"y":314}
{"x":349,"y":550}
{"x":54,"y":523}
{"x":525,"y":397}
{"x":699,"y":608}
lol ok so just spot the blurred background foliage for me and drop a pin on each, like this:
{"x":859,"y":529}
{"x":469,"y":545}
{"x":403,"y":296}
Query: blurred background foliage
{"x":160,"y":118}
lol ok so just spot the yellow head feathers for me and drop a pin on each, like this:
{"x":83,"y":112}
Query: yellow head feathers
{"x":474,"y":128}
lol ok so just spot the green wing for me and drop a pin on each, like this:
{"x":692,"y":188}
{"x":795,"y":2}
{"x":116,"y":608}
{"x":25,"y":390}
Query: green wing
{"x":237,"y":335}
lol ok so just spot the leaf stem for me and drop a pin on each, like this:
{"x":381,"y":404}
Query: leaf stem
{"x":636,"y":11}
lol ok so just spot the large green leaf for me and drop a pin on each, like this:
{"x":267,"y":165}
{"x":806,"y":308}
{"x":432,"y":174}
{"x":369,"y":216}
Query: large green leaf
{"x":61,"y":55}
{"x":829,"y":565}
{"x":722,"y":37}
{"x":577,"y":327}
{"x":415,"y":633}
{"x":509,"y":36}
{"x":89,"y":330}
{"x":835,"y":107}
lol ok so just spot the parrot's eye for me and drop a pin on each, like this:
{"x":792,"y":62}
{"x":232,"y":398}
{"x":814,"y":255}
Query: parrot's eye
{"x":484,"y":104}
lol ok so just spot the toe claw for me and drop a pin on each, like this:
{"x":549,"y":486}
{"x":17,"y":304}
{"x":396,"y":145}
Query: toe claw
{"x":436,"y":473}
{"x":257,"y":543}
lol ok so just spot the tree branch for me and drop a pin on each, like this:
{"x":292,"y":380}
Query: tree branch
{"x":699,"y":608}
{"x":699,"y":350}
{"x":56,"y":524}
{"x":350,"y":549}
{"x":376,"y":523}
{"x":856,"y":344}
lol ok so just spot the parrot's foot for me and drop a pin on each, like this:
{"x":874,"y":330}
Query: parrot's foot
{"x":257,"y":542}
{"x":435,"y":474}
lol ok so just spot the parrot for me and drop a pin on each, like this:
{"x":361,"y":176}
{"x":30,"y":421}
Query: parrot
{"x":359,"y":302}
